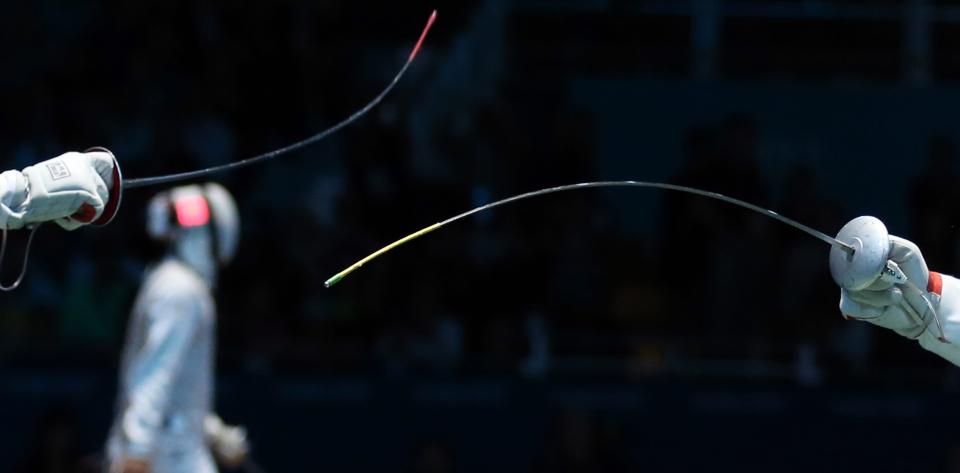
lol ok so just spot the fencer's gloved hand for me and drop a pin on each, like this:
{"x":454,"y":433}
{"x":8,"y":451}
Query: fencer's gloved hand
{"x":926,"y":310}
{"x":896,"y":306}
{"x":228,"y":443}
{"x":71,"y":190}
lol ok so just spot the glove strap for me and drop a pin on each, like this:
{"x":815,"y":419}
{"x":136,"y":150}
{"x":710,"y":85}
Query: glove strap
{"x":934,"y":287}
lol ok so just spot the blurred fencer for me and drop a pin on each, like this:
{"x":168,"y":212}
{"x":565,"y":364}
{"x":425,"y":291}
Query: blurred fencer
{"x":164,"y":421}
{"x":72,"y":190}
{"x":926,"y":310}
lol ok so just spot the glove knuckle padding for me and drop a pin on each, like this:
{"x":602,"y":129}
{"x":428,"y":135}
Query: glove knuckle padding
{"x":853,"y":306}
{"x":68,"y":223}
{"x":883,"y":298}
{"x":879,"y":285}
{"x":102,"y":162}
{"x":908,"y":256}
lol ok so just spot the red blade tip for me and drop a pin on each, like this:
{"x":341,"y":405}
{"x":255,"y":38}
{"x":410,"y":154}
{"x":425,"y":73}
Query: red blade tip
{"x":423,"y":36}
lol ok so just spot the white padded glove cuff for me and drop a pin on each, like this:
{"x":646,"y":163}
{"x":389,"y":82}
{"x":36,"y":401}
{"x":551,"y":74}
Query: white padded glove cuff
{"x":13,"y":192}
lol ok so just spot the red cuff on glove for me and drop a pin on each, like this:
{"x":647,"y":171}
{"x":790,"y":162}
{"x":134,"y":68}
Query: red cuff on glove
{"x":935,"y":283}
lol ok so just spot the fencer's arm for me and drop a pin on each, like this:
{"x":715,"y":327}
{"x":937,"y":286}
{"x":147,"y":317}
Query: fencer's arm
{"x":945,"y":292}
{"x":71,"y":190}
{"x":172,"y":321}
{"x":927,"y":310}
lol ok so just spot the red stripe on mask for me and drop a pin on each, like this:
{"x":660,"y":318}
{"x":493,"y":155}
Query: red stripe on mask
{"x":192,"y":211}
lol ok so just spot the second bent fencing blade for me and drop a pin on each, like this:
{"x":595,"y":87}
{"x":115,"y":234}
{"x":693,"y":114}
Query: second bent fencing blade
{"x":841,"y":246}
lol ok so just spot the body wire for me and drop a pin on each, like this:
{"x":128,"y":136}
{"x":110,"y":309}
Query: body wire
{"x":26,"y":258}
{"x":155,"y":180}
{"x":585,"y":185}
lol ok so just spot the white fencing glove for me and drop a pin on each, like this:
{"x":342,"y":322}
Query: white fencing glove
{"x":228,"y":443}
{"x":72,"y":190}
{"x":926,"y":309}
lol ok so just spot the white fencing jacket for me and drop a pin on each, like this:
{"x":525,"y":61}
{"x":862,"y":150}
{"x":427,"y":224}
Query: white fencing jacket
{"x":166,"y":377}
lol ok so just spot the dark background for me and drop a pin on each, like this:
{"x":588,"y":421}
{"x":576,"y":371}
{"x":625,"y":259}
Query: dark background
{"x":597,"y":330}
